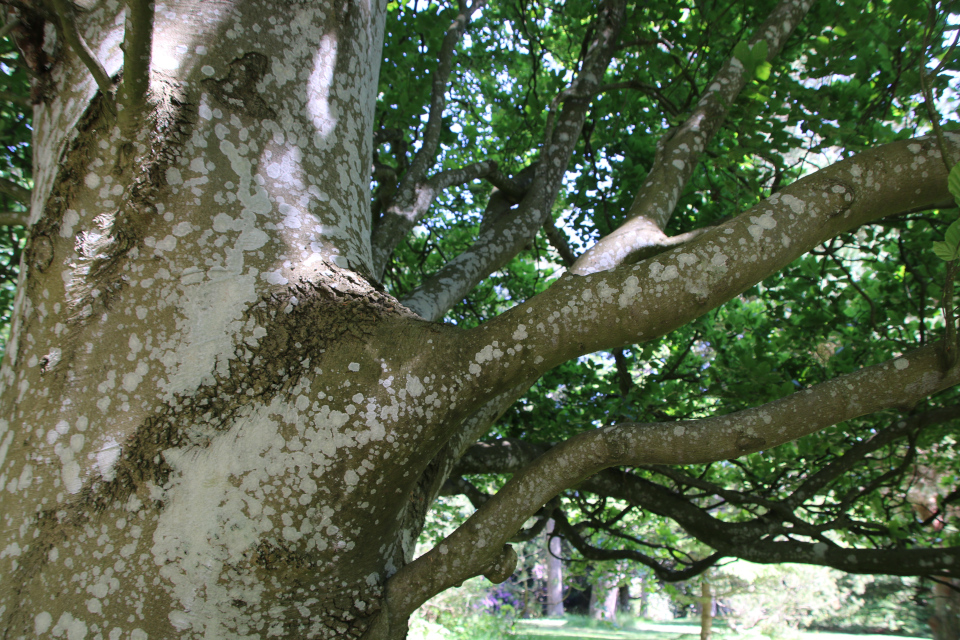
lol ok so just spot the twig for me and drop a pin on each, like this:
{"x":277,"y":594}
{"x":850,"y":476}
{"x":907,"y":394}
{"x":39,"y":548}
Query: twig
{"x":928,"y":94}
{"x":17,"y":99}
{"x":64,"y":10}
{"x":14,"y":218}
{"x":7,"y":28}
{"x":946,"y":303}
{"x":15,"y":191}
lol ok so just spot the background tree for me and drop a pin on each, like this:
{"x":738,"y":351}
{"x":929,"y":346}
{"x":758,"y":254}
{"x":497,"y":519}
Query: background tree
{"x":228,"y":401}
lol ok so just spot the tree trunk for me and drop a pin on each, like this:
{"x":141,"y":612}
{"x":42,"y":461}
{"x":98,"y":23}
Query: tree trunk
{"x":193,"y":392}
{"x":603,"y":598}
{"x":945,"y":622}
{"x":706,"y":610}
{"x":554,"y":573}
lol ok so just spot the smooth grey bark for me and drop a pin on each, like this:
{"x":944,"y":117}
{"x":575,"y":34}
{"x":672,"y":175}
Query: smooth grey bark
{"x":554,"y":572}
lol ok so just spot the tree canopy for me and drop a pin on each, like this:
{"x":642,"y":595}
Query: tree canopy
{"x":721,"y":231}
{"x":847,"y":80}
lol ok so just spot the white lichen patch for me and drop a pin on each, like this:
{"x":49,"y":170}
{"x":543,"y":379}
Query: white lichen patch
{"x":687,"y":259}
{"x":660,"y":273}
{"x":795,"y":204}
{"x":630,"y":292}
{"x":762,"y":223}
{"x":606,"y":292}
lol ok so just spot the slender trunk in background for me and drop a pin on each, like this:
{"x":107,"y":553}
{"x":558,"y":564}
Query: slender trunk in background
{"x":554,"y":573}
{"x":945,"y":621}
{"x":706,"y":610}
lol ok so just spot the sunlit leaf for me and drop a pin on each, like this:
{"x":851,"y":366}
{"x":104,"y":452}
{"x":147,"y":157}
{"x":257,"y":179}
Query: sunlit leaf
{"x":953,"y":183}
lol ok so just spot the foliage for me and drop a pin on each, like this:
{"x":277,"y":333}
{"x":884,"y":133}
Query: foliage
{"x":15,"y":166}
{"x":860,"y":298}
{"x":467,"y":612}
{"x":873,"y":603}
{"x":775,"y":599}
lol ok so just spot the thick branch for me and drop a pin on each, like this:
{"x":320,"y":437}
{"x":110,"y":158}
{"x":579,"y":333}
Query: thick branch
{"x":602,"y":311}
{"x":453,"y":177}
{"x":15,"y":191}
{"x":500,"y":244}
{"x":679,"y":151}
{"x":896,"y":383}
{"x":14,"y":218}
{"x":137,"y":48}
{"x":411,"y":202}
{"x":751,"y":540}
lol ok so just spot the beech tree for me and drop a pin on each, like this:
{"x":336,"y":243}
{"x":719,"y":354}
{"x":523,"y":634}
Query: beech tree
{"x":289,"y":266}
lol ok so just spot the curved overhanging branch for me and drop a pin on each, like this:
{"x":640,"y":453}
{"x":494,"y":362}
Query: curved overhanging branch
{"x":480,"y":541}
{"x":679,"y":151}
{"x":753,"y":539}
{"x":663,"y":572}
{"x":501,"y":242}
{"x":637,"y":303}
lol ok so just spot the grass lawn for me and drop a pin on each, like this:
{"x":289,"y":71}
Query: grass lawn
{"x":679,"y":630}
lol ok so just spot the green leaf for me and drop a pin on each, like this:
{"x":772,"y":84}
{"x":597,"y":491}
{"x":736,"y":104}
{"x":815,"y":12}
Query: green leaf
{"x":759,"y":52}
{"x":944,"y":251}
{"x":952,"y":237}
{"x":953,"y":183}
{"x":762,"y":71}
{"x":742,"y":53}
